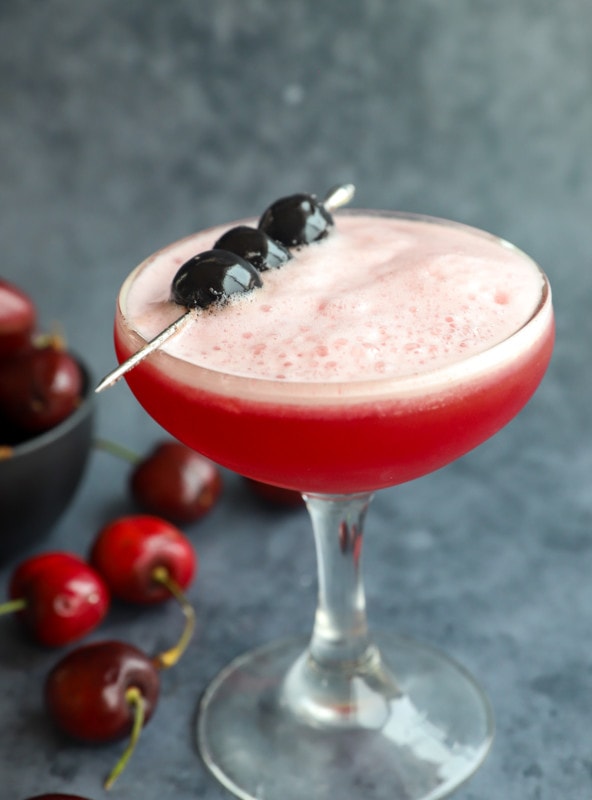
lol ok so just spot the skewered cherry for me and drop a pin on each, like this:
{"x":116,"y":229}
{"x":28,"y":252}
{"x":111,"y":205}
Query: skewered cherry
{"x":295,"y":220}
{"x":58,"y":596}
{"x":18,"y":316}
{"x":212,"y":277}
{"x":102,"y":692}
{"x":255,"y":246}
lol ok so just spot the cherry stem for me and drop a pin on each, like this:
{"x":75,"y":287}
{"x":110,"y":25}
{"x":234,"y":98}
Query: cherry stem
{"x":116,"y":449}
{"x":56,"y":338}
{"x":170,"y":657}
{"x":12,"y":606}
{"x":135,"y":700}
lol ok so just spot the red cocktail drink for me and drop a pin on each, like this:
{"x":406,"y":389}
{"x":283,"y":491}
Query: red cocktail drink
{"x":302,"y":430}
{"x":374,"y":356}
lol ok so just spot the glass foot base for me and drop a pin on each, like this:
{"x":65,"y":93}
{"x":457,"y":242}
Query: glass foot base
{"x":434,"y":733}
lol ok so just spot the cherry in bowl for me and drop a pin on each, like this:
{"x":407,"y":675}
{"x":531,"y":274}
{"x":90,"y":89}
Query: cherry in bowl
{"x":40,"y":475}
{"x":18,"y":318}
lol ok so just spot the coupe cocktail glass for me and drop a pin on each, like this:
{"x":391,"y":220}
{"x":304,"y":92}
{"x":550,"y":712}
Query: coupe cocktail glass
{"x":343,"y":713}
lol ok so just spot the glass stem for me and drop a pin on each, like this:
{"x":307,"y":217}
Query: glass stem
{"x":340,"y":681}
{"x":340,"y":635}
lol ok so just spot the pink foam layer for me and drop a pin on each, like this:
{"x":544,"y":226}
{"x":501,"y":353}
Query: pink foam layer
{"x":380,"y":297}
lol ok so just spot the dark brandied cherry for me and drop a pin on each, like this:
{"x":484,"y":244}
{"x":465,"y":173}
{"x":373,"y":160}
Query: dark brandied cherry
{"x":176,"y":483}
{"x":40,"y":388}
{"x":58,"y":596}
{"x":275,"y":495}
{"x":255,"y":246}
{"x":101,"y":692}
{"x":132,"y":551}
{"x":212,"y":277}
{"x":18,"y":316}
{"x":295,"y":220}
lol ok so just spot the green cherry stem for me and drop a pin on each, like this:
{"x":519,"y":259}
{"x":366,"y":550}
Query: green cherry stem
{"x":12,"y":606}
{"x":115,"y":449}
{"x":136,"y":702}
{"x":163,"y":660}
{"x":170,"y":657}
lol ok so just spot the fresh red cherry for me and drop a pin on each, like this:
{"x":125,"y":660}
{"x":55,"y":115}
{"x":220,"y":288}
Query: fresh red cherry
{"x":86,"y":690}
{"x":58,"y":596}
{"x":17,"y":319}
{"x":276,"y":495}
{"x":171,"y":481}
{"x":176,"y":483}
{"x":131,"y":551}
{"x":145,"y":559}
{"x":40,"y":388}
{"x":102,"y":692}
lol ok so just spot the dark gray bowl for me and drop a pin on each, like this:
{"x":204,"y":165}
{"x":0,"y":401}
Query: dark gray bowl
{"x":38,"y":481}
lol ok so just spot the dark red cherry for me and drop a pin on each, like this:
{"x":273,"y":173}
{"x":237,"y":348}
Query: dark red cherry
{"x":212,"y":277}
{"x":86,"y":692}
{"x":176,"y":483}
{"x":101,"y":692}
{"x":255,"y":246}
{"x":128,"y":552}
{"x":10,"y":435}
{"x":17,"y":319}
{"x":295,"y":220}
{"x":54,"y":796}
{"x":58,"y":596}
{"x":275,"y":495}
{"x":40,"y":388}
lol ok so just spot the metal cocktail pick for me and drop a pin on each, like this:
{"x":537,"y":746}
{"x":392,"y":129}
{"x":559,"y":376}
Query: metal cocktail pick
{"x":141,"y":354}
{"x":335,"y":198}
{"x":339,"y":195}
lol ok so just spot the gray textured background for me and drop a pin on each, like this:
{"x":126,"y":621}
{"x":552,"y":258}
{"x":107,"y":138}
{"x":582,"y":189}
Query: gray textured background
{"x":124,"y":125}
